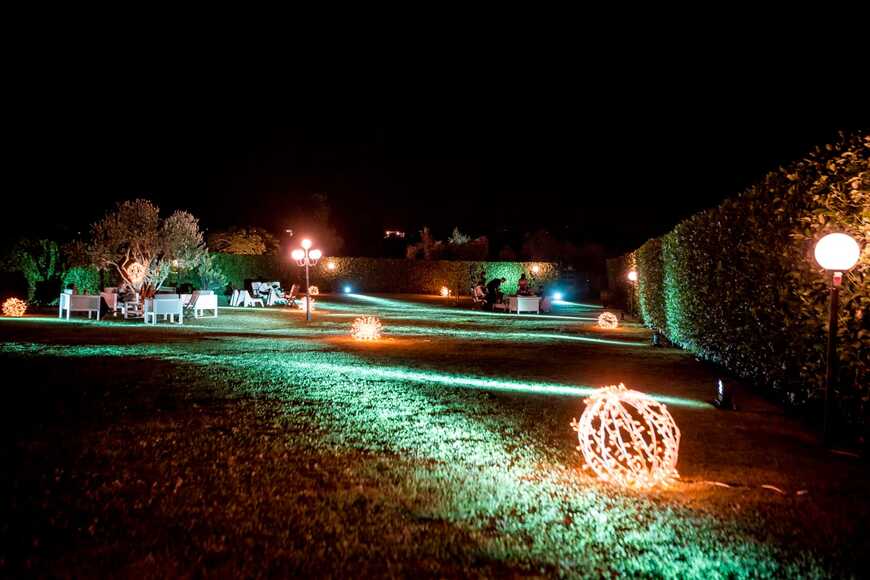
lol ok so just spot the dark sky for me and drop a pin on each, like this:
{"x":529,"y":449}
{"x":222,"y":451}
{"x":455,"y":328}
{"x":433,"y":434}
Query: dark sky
{"x":593,"y":150}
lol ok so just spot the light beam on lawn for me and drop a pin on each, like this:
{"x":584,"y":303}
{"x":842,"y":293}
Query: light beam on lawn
{"x":360,"y":371}
{"x":469,"y":381}
{"x":387,"y":303}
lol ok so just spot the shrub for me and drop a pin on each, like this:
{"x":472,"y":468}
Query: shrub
{"x":382,"y":274}
{"x":738,"y":285}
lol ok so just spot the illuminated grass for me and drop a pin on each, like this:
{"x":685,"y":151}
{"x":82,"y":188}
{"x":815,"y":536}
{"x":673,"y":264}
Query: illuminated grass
{"x":450,"y":453}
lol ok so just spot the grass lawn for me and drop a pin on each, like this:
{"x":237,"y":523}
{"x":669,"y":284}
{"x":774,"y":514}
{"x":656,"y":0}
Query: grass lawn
{"x":256,"y":444}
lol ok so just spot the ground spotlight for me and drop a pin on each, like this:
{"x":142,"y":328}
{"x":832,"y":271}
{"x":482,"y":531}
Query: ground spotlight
{"x":347,"y":289}
{"x":724,"y":400}
{"x":557,"y":295}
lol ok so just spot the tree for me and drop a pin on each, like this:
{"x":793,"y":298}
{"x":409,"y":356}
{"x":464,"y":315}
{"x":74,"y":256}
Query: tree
{"x":142,"y":247}
{"x":311,"y":219}
{"x":541,"y":245}
{"x":211,"y":277}
{"x":457,"y":238}
{"x":244,"y":241}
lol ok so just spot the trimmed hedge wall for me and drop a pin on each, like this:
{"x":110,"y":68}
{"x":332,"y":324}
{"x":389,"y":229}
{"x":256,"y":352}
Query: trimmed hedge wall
{"x":738,"y":284}
{"x":381,"y":274}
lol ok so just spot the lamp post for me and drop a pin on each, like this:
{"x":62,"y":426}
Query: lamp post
{"x":305,"y":256}
{"x":632,"y":277}
{"x":836,"y":253}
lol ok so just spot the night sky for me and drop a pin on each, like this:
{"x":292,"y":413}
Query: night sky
{"x":594,"y":154}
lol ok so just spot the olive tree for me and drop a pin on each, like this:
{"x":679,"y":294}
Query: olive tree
{"x":141,"y":246}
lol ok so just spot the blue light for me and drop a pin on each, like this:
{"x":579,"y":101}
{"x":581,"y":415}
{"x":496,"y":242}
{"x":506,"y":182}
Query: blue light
{"x":347,"y":289}
{"x":557,"y":295}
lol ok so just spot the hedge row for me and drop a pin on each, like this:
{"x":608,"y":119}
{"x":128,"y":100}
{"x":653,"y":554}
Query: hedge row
{"x":381,"y":274}
{"x":738,"y":284}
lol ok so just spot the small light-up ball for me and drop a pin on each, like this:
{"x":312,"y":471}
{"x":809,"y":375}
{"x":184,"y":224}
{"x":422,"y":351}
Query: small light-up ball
{"x":14,"y":307}
{"x":366,"y":328}
{"x":608,"y":320}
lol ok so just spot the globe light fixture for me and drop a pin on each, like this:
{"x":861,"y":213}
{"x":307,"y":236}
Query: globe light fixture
{"x":836,"y":253}
{"x":306,"y":257}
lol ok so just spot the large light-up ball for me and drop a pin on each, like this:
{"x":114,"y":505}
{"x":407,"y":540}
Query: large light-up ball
{"x":627,"y":438}
{"x":608,"y":320}
{"x":366,"y":328}
{"x":136,"y":272}
{"x":313,"y":290}
{"x":838,"y":252}
{"x":14,"y":307}
{"x":445,"y":291}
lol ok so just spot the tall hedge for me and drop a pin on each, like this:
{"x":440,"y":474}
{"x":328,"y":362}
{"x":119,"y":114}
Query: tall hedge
{"x":738,"y":284}
{"x":383,"y":274}
{"x":649,"y":284}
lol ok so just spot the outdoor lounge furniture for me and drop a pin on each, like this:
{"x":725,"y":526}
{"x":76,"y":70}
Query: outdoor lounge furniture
{"x":110,"y":296}
{"x":524,"y":304}
{"x":79,"y":303}
{"x":203,"y":300}
{"x":169,"y":307}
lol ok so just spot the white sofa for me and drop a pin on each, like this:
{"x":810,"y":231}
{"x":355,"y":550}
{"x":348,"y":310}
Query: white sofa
{"x":169,"y":307}
{"x":203,"y":300}
{"x":78,"y":303}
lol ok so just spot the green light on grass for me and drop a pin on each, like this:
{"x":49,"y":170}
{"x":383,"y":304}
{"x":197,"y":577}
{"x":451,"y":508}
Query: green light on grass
{"x":469,"y":381}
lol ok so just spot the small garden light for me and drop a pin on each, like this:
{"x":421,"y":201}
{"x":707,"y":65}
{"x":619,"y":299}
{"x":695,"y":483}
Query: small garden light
{"x":724,"y":400}
{"x":14,"y":307}
{"x":835,"y":253}
{"x":347,"y":289}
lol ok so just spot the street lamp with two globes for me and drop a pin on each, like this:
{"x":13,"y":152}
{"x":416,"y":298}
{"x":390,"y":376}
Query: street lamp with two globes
{"x":307,"y":257}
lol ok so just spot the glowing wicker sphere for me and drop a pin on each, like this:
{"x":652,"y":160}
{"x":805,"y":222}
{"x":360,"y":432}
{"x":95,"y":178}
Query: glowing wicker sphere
{"x":366,"y":328}
{"x":14,"y":307}
{"x":627,"y":438}
{"x":313,"y":290}
{"x":608,"y":320}
{"x":136,"y":272}
{"x":445,"y":291}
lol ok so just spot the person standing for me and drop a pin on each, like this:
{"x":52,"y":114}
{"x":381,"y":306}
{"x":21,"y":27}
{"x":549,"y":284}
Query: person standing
{"x":493,"y":292}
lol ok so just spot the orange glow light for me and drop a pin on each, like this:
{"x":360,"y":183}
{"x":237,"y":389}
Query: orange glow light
{"x":14,"y":308}
{"x":627,"y":438}
{"x":366,"y":328}
{"x":608,"y":320}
